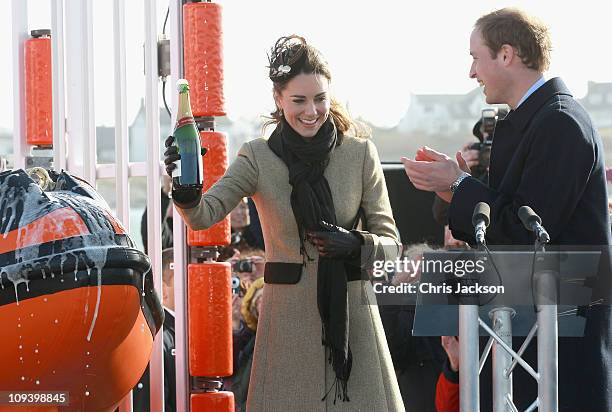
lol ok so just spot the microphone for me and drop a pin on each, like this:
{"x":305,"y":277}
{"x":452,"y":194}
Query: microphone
{"x":480,"y":220}
{"x":533,"y":223}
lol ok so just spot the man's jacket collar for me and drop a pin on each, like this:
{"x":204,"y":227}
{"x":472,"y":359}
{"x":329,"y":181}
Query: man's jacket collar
{"x":521,"y":117}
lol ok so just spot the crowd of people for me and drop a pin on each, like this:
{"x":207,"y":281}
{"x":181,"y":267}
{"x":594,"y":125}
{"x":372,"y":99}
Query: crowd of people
{"x":308,"y":334}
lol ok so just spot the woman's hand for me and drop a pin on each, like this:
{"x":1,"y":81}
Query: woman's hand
{"x":335,"y":242}
{"x":171,"y":155}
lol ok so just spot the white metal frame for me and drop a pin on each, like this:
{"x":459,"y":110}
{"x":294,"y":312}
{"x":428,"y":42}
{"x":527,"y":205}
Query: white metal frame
{"x":181,"y":338}
{"x":153,"y":191}
{"x":19,"y":22}
{"x":505,"y":358}
{"x":73,"y":116}
{"x":121,"y":127}
{"x":59,"y":98}
{"x":80,"y":122}
{"x":121,"y":168}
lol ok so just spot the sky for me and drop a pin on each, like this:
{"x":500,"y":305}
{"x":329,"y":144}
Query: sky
{"x":380,"y":53}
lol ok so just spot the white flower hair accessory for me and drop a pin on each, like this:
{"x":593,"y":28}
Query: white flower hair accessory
{"x":284,"y":54}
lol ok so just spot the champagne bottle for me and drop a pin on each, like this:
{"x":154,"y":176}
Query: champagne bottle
{"x":188,"y":175}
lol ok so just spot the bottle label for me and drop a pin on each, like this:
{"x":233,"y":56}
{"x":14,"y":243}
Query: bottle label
{"x":177,"y":172}
{"x":187,"y":141}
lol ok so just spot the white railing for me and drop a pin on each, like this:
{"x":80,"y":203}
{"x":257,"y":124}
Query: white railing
{"x":74,"y":138}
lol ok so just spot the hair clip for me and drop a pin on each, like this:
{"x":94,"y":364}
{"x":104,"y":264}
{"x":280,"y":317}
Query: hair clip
{"x":283,"y":69}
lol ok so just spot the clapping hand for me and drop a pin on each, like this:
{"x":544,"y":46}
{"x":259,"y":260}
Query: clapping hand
{"x":433,"y":171}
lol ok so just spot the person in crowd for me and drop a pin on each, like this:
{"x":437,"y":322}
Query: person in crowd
{"x":166,"y":215}
{"x":320,"y":345}
{"x":253,"y":234}
{"x":417,"y":359}
{"x":447,"y":388}
{"x":251,"y":306}
{"x":476,"y":156}
{"x":244,"y":231}
{"x":546,"y":154}
{"x":141,"y":392}
{"x":247,"y":267}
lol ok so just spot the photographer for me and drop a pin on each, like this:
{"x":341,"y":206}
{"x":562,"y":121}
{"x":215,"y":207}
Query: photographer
{"x":547,"y":155}
{"x":246,"y":269}
{"x":477,"y":156}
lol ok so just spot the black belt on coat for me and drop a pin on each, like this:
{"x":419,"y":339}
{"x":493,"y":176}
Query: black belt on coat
{"x":290,"y":273}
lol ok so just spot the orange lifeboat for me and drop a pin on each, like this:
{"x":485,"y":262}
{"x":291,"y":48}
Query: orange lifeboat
{"x":77,"y":304}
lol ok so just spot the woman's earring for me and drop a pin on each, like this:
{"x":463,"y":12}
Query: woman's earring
{"x":280,"y":112}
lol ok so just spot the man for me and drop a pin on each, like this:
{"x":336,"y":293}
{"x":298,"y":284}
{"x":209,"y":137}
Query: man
{"x":141,"y":392}
{"x":546,"y":154}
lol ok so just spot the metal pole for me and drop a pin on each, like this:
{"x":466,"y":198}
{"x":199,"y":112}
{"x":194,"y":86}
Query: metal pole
{"x":469,"y":391}
{"x":485,"y":354}
{"x":122,"y":193}
{"x":59,"y":95}
{"x":80,"y":124}
{"x":179,"y":232}
{"x":153,"y":191}
{"x":19,"y":26}
{"x":548,"y":394}
{"x":523,"y":347}
{"x":502,"y":384}
{"x":508,"y":349}
{"x":121,"y":128}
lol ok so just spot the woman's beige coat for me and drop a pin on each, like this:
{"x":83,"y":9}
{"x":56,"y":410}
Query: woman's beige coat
{"x":290,"y":369}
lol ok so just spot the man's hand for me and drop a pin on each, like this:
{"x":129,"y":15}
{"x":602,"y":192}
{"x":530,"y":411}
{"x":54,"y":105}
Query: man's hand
{"x":471,"y":156}
{"x":433,"y":171}
{"x":451,"y":346}
{"x":450,"y":241}
{"x":609,"y":174}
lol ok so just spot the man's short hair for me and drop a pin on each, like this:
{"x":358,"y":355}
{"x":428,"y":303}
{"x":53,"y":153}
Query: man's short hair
{"x":528,"y":35}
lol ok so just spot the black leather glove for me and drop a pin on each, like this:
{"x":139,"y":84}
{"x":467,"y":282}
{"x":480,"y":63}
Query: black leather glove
{"x":183,"y":197}
{"x":171,"y":155}
{"x":336,"y":242}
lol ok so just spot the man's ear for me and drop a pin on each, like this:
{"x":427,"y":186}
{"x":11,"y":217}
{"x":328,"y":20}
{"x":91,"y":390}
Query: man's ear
{"x":507,"y":53}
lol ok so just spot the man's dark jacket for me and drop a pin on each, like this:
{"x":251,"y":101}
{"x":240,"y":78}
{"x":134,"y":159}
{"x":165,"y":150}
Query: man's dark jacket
{"x":547,"y":154}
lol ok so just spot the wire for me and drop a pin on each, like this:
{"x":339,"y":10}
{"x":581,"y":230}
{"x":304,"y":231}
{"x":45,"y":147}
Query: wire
{"x":163,"y":78}
{"x":496,"y":272}
{"x":533,"y":298}
{"x":166,"y":19}
{"x":164,"y":97}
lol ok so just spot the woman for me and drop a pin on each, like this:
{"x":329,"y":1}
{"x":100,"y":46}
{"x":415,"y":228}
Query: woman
{"x":320,"y":342}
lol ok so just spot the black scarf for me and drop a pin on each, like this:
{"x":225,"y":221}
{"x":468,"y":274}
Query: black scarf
{"x":311,"y":202}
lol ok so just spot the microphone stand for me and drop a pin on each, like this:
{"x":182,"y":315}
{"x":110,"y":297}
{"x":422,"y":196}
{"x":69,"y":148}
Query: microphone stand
{"x":545,"y":279}
{"x":469,"y":389}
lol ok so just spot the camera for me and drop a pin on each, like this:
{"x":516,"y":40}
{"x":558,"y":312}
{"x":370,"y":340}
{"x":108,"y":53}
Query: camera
{"x":489,"y":119}
{"x":235,"y":285}
{"x":483,"y":130}
{"x":243,"y":265}
{"x":484,"y":157}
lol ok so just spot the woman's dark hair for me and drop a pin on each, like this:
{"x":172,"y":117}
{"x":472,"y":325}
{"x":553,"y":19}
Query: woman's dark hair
{"x":290,"y":56}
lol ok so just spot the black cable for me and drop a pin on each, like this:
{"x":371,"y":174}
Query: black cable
{"x":496,"y":272}
{"x":166,"y":20}
{"x":163,"y":78}
{"x":164,"y":97}
{"x":533,"y":298}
